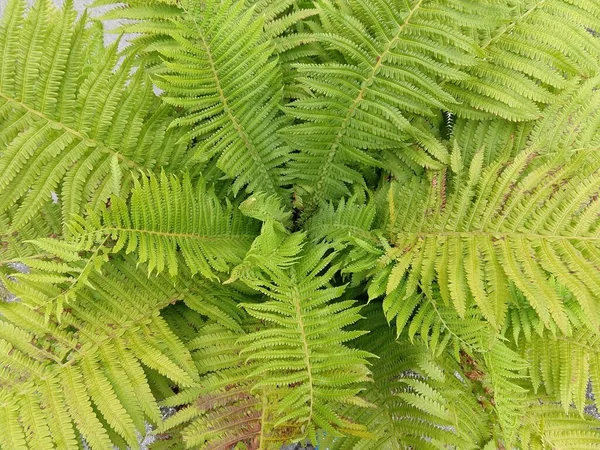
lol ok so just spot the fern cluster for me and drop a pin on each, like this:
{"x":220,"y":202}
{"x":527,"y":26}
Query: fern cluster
{"x":369,"y":224}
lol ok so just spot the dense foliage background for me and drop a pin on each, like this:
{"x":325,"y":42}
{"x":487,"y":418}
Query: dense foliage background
{"x":372,"y":224}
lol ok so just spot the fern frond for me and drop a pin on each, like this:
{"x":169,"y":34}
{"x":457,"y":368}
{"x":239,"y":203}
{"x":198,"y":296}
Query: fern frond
{"x":218,"y":67}
{"x":422,"y":402}
{"x":16,"y":246}
{"x":166,"y":215}
{"x":300,"y":353}
{"x":399,"y":61}
{"x":358,"y":104}
{"x":496,"y":138}
{"x":496,"y":227}
{"x":547,"y":427}
{"x":561,"y":366}
{"x":571,"y":122}
{"x":528,"y":57}
{"x":223,"y":411}
{"x":436,"y":325}
{"x":505,"y":373}
{"x":350,"y":219}
{"x":88,"y":370}
{"x":68,"y":114}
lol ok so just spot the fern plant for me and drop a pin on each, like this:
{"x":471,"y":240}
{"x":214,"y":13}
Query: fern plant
{"x":365,"y":224}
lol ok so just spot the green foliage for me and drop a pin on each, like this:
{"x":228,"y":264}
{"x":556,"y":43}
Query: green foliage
{"x":73,"y":119}
{"x":208,"y":235}
{"x":371,"y":224}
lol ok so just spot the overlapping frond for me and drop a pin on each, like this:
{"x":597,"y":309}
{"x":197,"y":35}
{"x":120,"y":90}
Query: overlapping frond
{"x":561,"y":366}
{"x":422,"y":402}
{"x":431,"y":165}
{"x":166,"y":216}
{"x":416,"y":59}
{"x":527,"y":223}
{"x":222,"y":411}
{"x":218,"y":68}
{"x":572,"y":121}
{"x":15,"y":245}
{"x":528,"y":57}
{"x":71,"y":117}
{"x":504,"y":378}
{"x":86,"y":373}
{"x":389,"y":66}
{"x":547,"y":427}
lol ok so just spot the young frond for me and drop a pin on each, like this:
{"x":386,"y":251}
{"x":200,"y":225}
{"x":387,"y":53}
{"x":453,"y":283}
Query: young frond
{"x":300,"y":353}
{"x":71,"y":117}
{"x":350,"y":219}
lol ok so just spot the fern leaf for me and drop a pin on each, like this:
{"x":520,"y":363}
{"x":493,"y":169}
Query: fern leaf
{"x":80,"y":409}
{"x":547,"y":426}
{"x":294,"y":352}
{"x":505,"y":369}
{"x":218,"y":68}
{"x":13,"y":435}
{"x":222,"y":412}
{"x":503,"y":226}
{"x":524,"y":63}
{"x":421,"y":402}
{"x":88,"y":370}
{"x":209,"y":236}
{"x":560,"y":367}
{"x":358,"y":105}
{"x":65,"y":118}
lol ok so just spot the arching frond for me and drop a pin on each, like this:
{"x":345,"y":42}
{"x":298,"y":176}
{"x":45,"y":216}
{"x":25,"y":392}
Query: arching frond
{"x":571,"y":122}
{"x":503,"y":225}
{"x":414,"y":265}
{"x":301,"y":354}
{"x":415,"y":59}
{"x":358,"y":105}
{"x":528,"y":223}
{"x":505,"y":374}
{"x":87,"y":371}
{"x":218,"y":67}
{"x":71,"y":117}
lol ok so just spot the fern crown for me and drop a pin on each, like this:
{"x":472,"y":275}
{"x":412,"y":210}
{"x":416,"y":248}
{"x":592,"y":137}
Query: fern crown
{"x":364,"y":224}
